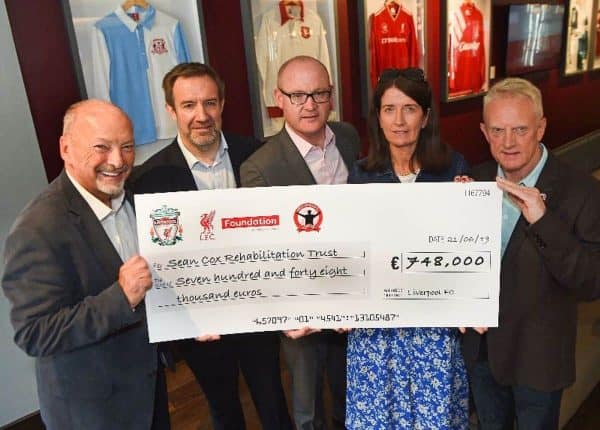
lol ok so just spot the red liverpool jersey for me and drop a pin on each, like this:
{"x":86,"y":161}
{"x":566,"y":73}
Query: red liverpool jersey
{"x":466,"y":51}
{"x":393,"y":40}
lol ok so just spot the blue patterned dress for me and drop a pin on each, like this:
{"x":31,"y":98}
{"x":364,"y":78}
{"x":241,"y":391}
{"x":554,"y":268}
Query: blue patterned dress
{"x":406,"y":378}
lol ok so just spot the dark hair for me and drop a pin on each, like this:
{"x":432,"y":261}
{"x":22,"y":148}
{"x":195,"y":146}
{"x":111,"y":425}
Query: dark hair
{"x":190,"y":70}
{"x":431,"y":154}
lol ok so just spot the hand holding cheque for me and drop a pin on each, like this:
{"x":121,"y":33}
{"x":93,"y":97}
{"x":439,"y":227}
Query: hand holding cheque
{"x":285,"y":258}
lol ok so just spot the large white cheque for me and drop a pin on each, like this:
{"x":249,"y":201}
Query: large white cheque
{"x":373,"y":255}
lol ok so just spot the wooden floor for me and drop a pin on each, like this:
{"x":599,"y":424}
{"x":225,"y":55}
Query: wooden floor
{"x":188,"y":407}
{"x":189,"y":410}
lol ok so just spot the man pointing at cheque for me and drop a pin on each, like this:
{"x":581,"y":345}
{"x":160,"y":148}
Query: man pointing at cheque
{"x":551,"y":258}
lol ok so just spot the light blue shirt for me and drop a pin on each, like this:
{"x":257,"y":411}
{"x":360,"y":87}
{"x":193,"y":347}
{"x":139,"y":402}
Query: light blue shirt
{"x":132,"y":57}
{"x":215,"y":176}
{"x":510,"y":212}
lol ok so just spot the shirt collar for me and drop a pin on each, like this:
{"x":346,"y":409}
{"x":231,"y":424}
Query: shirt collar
{"x":147,"y":17}
{"x":304,"y":146}
{"x":285,"y":16}
{"x":191,"y":160}
{"x":531,"y":179}
{"x":100,"y":209}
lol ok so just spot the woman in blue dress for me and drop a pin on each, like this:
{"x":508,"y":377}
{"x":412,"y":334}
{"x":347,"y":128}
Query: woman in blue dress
{"x":406,"y":378}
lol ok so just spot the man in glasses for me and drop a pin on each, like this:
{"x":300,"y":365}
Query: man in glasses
{"x":308,"y":150}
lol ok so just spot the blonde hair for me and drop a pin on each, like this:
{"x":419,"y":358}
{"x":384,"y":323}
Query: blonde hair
{"x":511,"y":87}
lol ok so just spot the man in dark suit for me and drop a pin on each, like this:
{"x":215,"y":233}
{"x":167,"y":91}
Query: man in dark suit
{"x":203,"y":157}
{"x":551,"y":257}
{"x":307,"y":151}
{"x":76,"y":285}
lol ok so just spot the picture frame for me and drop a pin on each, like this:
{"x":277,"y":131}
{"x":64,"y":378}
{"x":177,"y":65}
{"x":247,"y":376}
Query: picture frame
{"x":376,"y":53}
{"x":176,"y":29}
{"x":579,"y":37}
{"x":595,"y":51}
{"x":467,"y":48}
{"x":276,"y":31}
{"x":395,"y":36}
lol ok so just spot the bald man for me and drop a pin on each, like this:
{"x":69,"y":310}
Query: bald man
{"x":76,"y":285}
{"x":308,"y":151}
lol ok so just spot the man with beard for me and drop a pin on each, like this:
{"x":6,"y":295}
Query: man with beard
{"x":202,"y":157}
{"x":76,"y":285}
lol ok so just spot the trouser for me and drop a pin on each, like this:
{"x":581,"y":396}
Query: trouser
{"x":498,"y":405}
{"x":216,"y":367}
{"x":307,"y":358}
{"x":160,"y":419}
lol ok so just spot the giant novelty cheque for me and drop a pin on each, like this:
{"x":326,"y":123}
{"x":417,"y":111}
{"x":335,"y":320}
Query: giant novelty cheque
{"x":324,"y":256}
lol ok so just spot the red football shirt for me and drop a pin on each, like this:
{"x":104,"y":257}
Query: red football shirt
{"x":393,"y":40}
{"x":466,"y":50}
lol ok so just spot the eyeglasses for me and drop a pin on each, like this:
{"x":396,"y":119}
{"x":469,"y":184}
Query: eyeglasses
{"x":321,"y":96}
{"x":412,"y":74}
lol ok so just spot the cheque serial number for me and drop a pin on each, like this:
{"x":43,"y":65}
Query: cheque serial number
{"x":477,"y":192}
{"x":272,"y":320}
{"x":375,"y":317}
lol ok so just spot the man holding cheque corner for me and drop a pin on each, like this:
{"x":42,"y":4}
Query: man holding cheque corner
{"x":550,"y":259}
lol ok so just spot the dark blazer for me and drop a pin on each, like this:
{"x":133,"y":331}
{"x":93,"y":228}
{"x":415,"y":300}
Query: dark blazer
{"x":167,"y":170}
{"x":94,"y":365}
{"x":278,"y":162}
{"x":458,"y":166}
{"x":545,"y":268}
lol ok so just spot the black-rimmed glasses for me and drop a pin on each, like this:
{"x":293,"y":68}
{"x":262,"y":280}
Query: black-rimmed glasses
{"x":298,"y":98}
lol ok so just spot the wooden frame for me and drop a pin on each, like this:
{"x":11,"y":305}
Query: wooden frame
{"x":595,"y":45}
{"x":81,"y":17}
{"x":395,"y":36}
{"x":579,"y":36}
{"x":264,"y":23}
{"x":466,"y":48}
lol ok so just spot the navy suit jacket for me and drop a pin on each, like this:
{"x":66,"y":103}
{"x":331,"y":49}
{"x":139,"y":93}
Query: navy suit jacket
{"x":94,"y":365}
{"x":458,"y":166}
{"x":167,"y":171}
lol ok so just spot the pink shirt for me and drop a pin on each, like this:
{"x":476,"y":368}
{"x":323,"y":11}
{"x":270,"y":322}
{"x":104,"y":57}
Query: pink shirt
{"x":326,"y":165}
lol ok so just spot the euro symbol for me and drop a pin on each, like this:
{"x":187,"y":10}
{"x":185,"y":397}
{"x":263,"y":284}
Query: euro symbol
{"x":395,"y":265}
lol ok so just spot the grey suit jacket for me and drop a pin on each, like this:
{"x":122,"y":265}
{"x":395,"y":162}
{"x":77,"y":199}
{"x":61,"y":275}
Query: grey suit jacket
{"x":546,"y":268}
{"x":278,"y":162}
{"x":95,"y":368}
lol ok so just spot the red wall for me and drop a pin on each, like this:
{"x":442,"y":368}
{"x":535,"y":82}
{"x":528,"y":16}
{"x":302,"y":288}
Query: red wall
{"x":571,"y":104}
